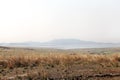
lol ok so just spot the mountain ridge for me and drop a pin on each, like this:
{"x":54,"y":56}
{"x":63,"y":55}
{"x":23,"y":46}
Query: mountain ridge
{"x":63,"y":43}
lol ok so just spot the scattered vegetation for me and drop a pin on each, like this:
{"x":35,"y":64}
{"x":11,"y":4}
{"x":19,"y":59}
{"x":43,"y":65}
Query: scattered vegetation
{"x":52,"y":64}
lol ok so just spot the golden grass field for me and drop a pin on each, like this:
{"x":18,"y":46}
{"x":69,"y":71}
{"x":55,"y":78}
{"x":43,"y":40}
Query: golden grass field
{"x":56,"y":64}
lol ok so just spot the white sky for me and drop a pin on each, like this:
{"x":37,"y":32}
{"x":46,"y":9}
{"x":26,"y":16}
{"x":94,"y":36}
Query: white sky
{"x":44,"y":20}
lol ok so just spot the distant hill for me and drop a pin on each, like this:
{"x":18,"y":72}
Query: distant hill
{"x":63,"y":43}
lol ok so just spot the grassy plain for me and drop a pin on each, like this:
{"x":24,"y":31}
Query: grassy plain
{"x":57,"y":64}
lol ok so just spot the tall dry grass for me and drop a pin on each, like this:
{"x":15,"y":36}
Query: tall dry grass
{"x":57,"y":59}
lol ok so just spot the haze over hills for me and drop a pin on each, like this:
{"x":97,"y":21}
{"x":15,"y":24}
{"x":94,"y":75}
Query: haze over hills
{"x":63,"y":44}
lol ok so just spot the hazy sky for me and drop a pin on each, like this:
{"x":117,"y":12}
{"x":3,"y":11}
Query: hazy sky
{"x":43,"y":20}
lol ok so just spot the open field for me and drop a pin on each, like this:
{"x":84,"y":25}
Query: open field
{"x":56,"y":64}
